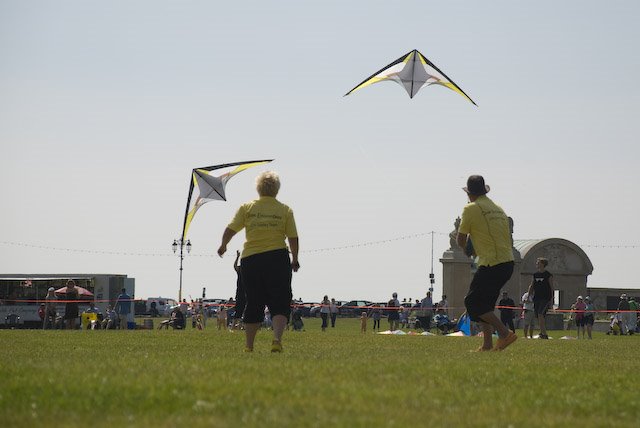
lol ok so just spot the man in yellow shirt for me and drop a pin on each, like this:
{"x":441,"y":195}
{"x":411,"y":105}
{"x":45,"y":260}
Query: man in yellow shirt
{"x":487,"y":225}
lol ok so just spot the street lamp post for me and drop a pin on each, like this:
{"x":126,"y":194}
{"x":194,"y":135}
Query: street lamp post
{"x":432,"y":277}
{"x":179,"y":243}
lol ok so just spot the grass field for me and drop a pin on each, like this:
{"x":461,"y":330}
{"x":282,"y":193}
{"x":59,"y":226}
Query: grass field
{"x":338,"y":378}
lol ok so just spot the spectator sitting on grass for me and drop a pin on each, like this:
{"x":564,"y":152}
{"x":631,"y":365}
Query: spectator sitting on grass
{"x":176,"y":320}
{"x":443,"y":323}
{"x":92,"y":309}
{"x":110,"y":319}
{"x":615,"y":326}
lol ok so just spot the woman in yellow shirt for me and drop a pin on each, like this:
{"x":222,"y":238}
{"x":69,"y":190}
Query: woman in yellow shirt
{"x":265,"y":263}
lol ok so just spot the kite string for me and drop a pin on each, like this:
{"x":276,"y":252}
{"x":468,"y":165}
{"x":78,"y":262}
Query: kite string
{"x":311,"y":251}
{"x":107,"y":252}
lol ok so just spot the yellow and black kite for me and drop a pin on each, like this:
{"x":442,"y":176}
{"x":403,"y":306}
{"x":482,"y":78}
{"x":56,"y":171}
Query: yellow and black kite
{"x":412,"y":71}
{"x":211,"y":188}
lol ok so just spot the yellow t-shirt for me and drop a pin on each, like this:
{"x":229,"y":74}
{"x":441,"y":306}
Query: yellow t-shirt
{"x":267,"y":222}
{"x":488,"y":226}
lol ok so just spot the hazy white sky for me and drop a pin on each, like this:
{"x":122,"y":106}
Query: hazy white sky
{"x":105,"y":107}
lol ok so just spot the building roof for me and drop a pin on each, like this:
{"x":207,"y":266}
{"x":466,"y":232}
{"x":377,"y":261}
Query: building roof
{"x":524,"y":246}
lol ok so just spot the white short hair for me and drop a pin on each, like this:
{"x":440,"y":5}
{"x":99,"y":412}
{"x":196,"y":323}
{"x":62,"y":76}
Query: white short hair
{"x":268,"y":184}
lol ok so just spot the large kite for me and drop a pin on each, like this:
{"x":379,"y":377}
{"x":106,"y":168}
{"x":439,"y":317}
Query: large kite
{"x":211,"y":188}
{"x":413,"y":71}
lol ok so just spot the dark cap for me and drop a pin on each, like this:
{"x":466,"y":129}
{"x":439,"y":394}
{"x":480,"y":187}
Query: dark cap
{"x":476,"y":186}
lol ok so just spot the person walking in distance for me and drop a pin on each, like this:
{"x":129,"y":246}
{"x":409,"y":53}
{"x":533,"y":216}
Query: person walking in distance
{"x":542,"y":286}
{"x":633,"y":315}
{"x":580,"y":307}
{"x":623,"y":315}
{"x":527,"y":316}
{"x":487,"y":225}
{"x":50,"y":309}
{"x":71,"y":311}
{"x":393,"y":316}
{"x":325,"y":310}
{"x":123,"y":308}
{"x":376,"y":314}
{"x":506,"y":311}
{"x":589,"y":315}
{"x":333,"y":309}
{"x":426,"y":309}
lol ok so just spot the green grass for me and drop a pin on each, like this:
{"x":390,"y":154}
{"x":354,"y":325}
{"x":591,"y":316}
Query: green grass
{"x":337,"y":378}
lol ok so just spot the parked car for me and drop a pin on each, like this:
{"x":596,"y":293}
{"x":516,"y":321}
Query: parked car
{"x":354,"y":308}
{"x":305,"y":308}
{"x":314,"y":311}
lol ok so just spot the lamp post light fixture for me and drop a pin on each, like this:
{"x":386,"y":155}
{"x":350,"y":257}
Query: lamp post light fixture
{"x":179,"y":243}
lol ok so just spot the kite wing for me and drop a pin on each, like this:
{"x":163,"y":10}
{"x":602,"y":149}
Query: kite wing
{"x":413,"y":72}
{"x":210,"y":187}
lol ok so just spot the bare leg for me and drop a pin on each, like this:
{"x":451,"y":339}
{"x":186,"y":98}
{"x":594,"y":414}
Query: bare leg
{"x":250,"y":331}
{"x":487,"y":335}
{"x":543,"y":328}
{"x":279,"y":323}
{"x":491,"y":318}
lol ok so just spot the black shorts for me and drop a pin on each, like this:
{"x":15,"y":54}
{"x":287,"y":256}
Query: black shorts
{"x":588,"y":319}
{"x":71,"y":311}
{"x":540,"y":307}
{"x":580,"y":321}
{"x":266,"y":278}
{"x":485,"y":289}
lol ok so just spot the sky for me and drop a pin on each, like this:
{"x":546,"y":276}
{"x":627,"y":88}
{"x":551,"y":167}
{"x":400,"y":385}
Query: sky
{"x":105,"y":108}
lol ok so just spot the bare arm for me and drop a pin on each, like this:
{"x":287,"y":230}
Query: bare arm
{"x":293,"y":246}
{"x":461,"y":239}
{"x":226,"y":237}
{"x":236,"y":267}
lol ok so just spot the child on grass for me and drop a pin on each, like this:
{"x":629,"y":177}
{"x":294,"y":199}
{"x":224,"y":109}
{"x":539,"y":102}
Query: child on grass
{"x":222,"y":317}
{"x":363,"y":322}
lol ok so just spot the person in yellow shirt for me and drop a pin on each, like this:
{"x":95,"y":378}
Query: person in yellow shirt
{"x":265,"y":264}
{"x":488,"y":227}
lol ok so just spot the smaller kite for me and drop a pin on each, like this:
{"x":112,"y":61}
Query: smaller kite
{"x":413,"y":71}
{"x":211,"y":187}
